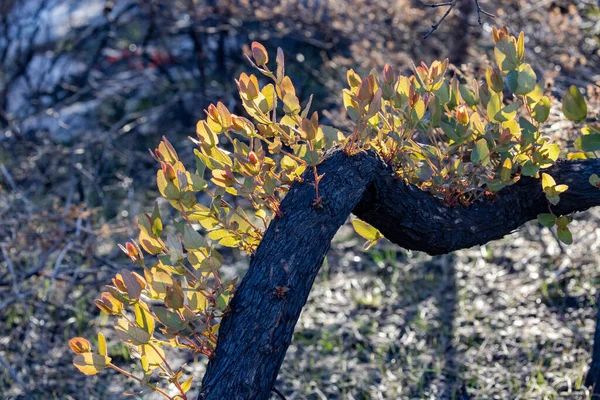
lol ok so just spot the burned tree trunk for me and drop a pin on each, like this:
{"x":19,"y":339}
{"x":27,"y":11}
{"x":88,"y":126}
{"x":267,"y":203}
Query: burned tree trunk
{"x":254,"y":336}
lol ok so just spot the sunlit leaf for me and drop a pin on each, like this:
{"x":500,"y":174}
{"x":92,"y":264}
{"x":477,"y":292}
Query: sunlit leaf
{"x":80,"y":345}
{"x":131,"y":334}
{"x":151,"y":356}
{"x":102,"y":345}
{"x":365,"y":230}
{"x":522,"y":80}
{"x":90,"y":363}
{"x":143,"y":318}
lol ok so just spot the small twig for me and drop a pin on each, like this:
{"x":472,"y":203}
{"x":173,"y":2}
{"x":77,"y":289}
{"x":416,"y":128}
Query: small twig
{"x":278,"y":393}
{"x":13,"y":186}
{"x":57,"y":265}
{"x":8,"y":302}
{"x":13,"y":374}
{"x":482,"y":11}
{"x":447,"y":3}
{"x":434,"y":27}
{"x":11,"y":268}
{"x":451,"y":5}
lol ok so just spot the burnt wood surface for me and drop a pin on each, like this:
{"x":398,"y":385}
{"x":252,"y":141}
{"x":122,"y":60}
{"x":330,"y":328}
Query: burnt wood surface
{"x":254,"y":336}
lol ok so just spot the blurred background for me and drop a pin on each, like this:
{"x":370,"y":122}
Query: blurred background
{"x":87,"y":86}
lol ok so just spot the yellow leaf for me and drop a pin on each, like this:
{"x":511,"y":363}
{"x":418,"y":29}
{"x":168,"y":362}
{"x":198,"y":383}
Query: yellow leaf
{"x":576,"y":156}
{"x":143,"y":318}
{"x":365,"y":230}
{"x":197,"y":301}
{"x":167,"y":151}
{"x":506,"y":170}
{"x":102,"y":344}
{"x":90,"y":363}
{"x":185,"y":386}
{"x":521,"y":46}
{"x":150,"y":244}
{"x":561,"y":188}
{"x":205,"y":134}
{"x":547,"y":181}
{"x":152,"y":356}
{"x":229,"y":242}
{"x":160,"y":280}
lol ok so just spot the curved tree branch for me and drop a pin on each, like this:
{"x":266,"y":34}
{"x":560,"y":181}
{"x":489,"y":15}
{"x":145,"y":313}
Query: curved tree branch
{"x":413,"y":219}
{"x":255,"y":335}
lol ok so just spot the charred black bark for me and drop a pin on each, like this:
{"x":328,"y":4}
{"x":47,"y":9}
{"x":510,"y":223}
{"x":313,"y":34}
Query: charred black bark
{"x":413,"y":219}
{"x":254,"y":337}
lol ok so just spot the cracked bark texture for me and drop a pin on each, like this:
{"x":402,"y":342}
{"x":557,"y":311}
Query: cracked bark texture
{"x":255,"y":335}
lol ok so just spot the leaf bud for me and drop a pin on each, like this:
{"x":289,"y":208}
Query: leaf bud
{"x":388,"y":74}
{"x":462,"y":114}
{"x":259,"y":53}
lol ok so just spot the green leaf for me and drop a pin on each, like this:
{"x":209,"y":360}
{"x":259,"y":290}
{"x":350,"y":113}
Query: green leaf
{"x":90,"y":363}
{"x":365,"y":230}
{"x":350,"y":105}
{"x":175,"y":248}
{"x":548,"y":220}
{"x":595,"y":180}
{"x":223,"y":300}
{"x":530,"y":169}
{"x":332,"y":135}
{"x":506,"y":55}
{"x":574,"y":107}
{"x":541,"y":111}
{"x":551,"y":189}
{"x":589,"y":142}
{"x":443,"y":93}
{"x":507,"y":113}
{"x":564,"y":235}
{"x":494,"y":106}
{"x":495,"y":185}
{"x":169,"y":318}
{"x":528,"y":130}
{"x":270,"y":96}
{"x":468,"y":95}
{"x":166,"y":188}
{"x":480,"y":153}
{"x":522,"y":80}
{"x":192,"y":240}
{"x":131,"y":334}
